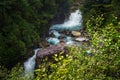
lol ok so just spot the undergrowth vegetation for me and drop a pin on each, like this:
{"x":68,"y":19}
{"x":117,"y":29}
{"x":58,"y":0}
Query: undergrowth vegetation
{"x":101,"y":63}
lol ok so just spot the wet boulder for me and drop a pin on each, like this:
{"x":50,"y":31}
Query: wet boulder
{"x":49,"y":52}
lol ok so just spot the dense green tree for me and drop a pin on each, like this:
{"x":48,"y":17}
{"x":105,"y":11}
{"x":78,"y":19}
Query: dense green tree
{"x":22,"y":23}
{"x":109,"y":8}
{"x":116,"y":8}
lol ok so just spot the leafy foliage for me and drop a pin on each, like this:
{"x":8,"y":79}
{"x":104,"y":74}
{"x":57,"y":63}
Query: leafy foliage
{"x":22,"y":23}
{"x":3,"y":73}
{"x":101,"y":63}
{"x":108,"y":8}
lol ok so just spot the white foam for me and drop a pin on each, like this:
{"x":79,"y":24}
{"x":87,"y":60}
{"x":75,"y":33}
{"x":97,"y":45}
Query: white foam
{"x":29,"y":65}
{"x":73,"y":23}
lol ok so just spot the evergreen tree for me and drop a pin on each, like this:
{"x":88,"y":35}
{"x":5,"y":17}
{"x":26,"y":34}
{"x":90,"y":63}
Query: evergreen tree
{"x":22,"y":23}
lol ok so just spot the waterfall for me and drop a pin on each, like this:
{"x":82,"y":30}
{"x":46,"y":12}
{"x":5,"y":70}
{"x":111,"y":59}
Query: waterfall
{"x":29,"y":65}
{"x":74,"y":19}
{"x":73,"y":23}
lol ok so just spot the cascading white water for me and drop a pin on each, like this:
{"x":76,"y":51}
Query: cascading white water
{"x":73,"y":23}
{"x":53,"y":40}
{"x":68,"y":40}
{"x":29,"y":65}
{"x":74,"y":19}
{"x":55,"y":33}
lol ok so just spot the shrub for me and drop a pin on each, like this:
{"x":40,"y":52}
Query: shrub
{"x":102,"y":63}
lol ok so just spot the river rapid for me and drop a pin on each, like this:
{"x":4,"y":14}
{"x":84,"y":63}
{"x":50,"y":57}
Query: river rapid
{"x":59,"y":33}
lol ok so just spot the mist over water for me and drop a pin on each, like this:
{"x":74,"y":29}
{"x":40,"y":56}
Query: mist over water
{"x":73,"y":23}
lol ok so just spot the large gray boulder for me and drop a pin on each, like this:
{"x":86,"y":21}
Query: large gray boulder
{"x":49,"y":52}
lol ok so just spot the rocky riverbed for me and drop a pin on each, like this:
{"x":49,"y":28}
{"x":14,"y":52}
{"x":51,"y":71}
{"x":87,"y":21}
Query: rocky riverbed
{"x":60,"y":35}
{"x":68,"y":33}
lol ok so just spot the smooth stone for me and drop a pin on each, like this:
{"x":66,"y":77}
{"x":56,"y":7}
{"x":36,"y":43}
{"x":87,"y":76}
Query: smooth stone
{"x":76,"y":33}
{"x":80,"y":39}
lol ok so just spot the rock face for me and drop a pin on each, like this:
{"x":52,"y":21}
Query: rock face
{"x":49,"y":51}
{"x":76,"y":33}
